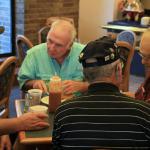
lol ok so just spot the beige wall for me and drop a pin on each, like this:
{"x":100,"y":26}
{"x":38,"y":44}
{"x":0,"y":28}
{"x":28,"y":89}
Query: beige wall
{"x":146,"y":4}
{"x":95,"y":13}
{"x":92,"y":15}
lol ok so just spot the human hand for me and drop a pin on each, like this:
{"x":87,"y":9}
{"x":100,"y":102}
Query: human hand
{"x":70,"y":86}
{"x":5,"y":143}
{"x":130,"y":94}
{"x":40,"y":84}
{"x":32,"y":121}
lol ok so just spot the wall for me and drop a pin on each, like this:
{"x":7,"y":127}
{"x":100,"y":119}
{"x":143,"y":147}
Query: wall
{"x":146,"y":4}
{"x":5,"y":20}
{"x":19,"y":16}
{"x":32,"y":14}
{"x":37,"y":11}
{"x":92,"y":15}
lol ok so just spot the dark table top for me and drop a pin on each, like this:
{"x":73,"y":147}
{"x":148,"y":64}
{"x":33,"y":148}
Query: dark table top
{"x":34,"y":137}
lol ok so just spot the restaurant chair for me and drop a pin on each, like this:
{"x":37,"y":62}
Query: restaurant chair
{"x":7,"y":75}
{"x":42,"y":33}
{"x":22,"y":45}
{"x":126,"y":42}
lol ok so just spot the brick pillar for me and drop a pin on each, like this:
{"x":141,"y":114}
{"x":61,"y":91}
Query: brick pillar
{"x":20,"y":17}
{"x":37,"y":11}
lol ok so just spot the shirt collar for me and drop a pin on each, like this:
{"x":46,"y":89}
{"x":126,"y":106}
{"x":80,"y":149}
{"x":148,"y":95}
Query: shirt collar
{"x":97,"y":88}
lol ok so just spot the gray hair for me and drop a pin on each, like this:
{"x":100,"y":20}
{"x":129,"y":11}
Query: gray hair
{"x":66,"y":25}
{"x":93,"y":74}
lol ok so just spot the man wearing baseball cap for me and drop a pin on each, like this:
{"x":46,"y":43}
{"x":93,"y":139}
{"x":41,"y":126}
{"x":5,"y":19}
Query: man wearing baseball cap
{"x":103,"y":118}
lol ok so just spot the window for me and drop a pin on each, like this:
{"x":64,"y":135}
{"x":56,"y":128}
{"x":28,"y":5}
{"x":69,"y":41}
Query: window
{"x":7,"y":38}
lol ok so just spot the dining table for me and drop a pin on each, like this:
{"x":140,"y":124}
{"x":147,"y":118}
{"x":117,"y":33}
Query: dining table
{"x":43,"y":136}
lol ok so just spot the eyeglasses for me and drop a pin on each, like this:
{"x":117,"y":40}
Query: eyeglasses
{"x":147,"y":57}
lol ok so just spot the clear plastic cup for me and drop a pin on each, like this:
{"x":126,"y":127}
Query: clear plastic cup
{"x":34,"y":96}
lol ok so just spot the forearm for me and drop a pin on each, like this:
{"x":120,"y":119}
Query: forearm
{"x":9,"y":125}
{"x":130,"y":94}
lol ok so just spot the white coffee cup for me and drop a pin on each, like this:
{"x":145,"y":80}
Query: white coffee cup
{"x":145,"y":21}
{"x":38,"y":108}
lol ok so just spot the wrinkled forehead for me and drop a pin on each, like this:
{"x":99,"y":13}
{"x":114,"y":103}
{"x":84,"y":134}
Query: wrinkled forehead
{"x":60,"y":31}
{"x":60,"y":35}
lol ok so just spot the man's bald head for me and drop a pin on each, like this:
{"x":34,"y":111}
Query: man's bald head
{"x":64,"y":26}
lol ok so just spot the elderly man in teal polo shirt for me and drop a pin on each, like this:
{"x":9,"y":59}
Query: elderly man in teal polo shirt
{"x":58,"y":56}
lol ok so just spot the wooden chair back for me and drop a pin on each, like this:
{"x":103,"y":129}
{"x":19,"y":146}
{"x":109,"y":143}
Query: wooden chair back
{"x":42,"y":34}
{"x":7,"y":76}
{"x":22,"y":45}
{"x":126,"y":42}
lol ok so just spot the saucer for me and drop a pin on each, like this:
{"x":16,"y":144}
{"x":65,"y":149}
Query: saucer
{"x":45,"y":100}
{"x":38,"y":108}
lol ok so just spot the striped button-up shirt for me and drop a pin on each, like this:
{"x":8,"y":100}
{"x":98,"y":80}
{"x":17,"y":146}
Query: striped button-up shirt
{"x":102,"y":119}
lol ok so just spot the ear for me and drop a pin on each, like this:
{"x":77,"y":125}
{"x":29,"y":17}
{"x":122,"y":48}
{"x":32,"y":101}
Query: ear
{"x":70,"y":45}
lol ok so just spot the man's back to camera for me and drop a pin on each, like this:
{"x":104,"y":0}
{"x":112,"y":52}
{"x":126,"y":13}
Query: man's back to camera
{"x":103,"y":118}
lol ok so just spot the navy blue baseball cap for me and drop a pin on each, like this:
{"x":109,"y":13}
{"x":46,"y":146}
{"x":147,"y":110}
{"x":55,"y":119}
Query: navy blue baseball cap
{"x":100,"y":52}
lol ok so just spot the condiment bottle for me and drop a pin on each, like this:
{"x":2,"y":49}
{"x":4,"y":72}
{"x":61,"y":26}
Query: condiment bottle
{"x":55,"y":93}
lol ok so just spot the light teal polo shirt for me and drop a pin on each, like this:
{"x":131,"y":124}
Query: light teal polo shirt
{"x":39,"y":65}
